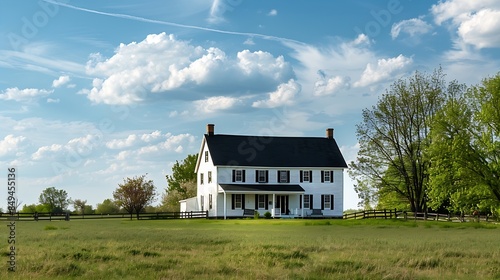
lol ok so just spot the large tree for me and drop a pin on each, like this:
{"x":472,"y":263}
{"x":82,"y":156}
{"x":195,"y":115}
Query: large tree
{"x":465,"y":156}
{"x":393,"y":136}
{"x":55,"y":200}
{"x":135,"y":194}
{"x":79,"y":205}
{"x":181,"y":184}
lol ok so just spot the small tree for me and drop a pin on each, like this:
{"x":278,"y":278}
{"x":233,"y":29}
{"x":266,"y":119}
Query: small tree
{"x":80,"y":205}
{"x":55,"y":200}
{"x":107,"y":207}
{"x":135,"y":194}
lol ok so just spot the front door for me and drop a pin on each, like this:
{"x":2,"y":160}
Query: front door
{"x":282,"y":201}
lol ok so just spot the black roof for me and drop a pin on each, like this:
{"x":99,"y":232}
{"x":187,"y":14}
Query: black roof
{"x":261,"y":188}
{"x":274,"y":151}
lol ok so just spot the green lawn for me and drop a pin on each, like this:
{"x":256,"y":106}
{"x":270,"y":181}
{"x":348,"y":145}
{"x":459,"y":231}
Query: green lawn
{"x":254,"y":249}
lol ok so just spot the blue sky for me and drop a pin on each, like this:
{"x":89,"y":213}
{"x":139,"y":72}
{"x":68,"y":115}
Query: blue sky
{"x":92,"y":92}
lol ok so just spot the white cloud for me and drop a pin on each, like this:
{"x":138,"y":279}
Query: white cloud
{"x":413,"y":27}
{"x":51,"y":100}
{"x":217,"y":10}
{"x":217,"y":103}
{"x":120,"y":144}
{"x":385,"y":69}
{"x":272,"y":12}
{"x":23,"y":94}
{"x":476,"y":23}
{"x":42,"y":151}
{"x":249,"y":41}
{"x":148,"y":137}
{"x":284,"y":95}
{"x":10,"y":144}
{"x":62,"y":80}
{"x":330,"y":85}
{"x":160,"y":63}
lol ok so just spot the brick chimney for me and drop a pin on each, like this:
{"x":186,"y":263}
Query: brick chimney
{"x":210,"y":129}
{"x":329,"y":133}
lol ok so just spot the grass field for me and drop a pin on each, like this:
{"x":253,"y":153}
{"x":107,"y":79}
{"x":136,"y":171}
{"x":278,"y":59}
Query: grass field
{"x":254,"y":249}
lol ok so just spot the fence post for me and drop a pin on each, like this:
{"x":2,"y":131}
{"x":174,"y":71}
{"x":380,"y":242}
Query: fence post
{"x":385,"y":214}
{"x":206,"y":213}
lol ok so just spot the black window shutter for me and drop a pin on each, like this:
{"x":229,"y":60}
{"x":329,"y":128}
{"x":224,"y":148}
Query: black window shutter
{"x":243,"y":176}
{"x":233,"y":200}
{"x":322,"y":202}
{"x":256,"y":201}
{"x":266,"y":201}
{"x":242,"y":201}
{"x":300,"y":201}
{"x":331,"y":202}
{"x":301,"y":178}
{"x":331,"y":176}
{"x":267,"y":176}
{"x":288,"y":176}
{"x":234,"y":175}
{"x":256,"y":176}
{"x":278,"y":177}
{"x":322,"y":176}
{"x":311,"y":201}
{"x":310,"y":176}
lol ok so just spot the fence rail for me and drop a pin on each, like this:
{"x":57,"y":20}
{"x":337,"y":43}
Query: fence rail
{"x":395,"y":214}
{"x":142,"y":216}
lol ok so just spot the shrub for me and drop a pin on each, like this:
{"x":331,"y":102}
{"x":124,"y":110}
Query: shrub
{"x":267,"y":215}
{"x":256,"y":215}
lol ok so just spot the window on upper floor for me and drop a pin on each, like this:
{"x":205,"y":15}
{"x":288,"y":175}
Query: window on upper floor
{"x":261,"y":176}
{"x":206,"y":156}
{"x":327,"y":176}
{"x":284,"y":176}
{"x":201,"y":179}
{"x":209,"y":177}
{"x":306,"y":176}
{"x":238,"y":175}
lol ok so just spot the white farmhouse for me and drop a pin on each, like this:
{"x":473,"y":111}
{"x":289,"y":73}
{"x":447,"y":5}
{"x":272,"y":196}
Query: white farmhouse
{"x":286,"y":176}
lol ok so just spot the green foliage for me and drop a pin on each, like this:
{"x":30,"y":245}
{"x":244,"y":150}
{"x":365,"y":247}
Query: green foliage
{"x":393,"y":136}
{"x":170,"y":200}
{"x":134,"y":194}
{"x":465,"y":153}
{"x":107,"y":207}
{"x":268,"y":215}
{"x":79,"y":205}
{"x":55,"y":200}
{"x":182,"y":172}
{"x":181,"y":184}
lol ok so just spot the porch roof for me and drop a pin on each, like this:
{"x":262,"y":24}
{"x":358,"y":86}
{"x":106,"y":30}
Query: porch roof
{"x":261,"y":188}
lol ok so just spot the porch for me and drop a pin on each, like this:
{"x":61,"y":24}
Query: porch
{"x":282,"y":201}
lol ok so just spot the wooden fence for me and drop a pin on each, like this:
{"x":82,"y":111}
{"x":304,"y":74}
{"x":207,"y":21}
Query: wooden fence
{"x":395,"y":214}
{"x":142,"y":216}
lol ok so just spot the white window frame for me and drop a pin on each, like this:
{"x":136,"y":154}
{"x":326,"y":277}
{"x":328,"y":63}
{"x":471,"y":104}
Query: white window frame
{"x":209,"y":177}
{"x":306,"y":176}
{"x":206,"y":156}
{"x":283,"y":176}
{"x":326,"y":176}
{"x":261,"y":203}
{"x":238,"y":175}
{"x":238,"y":204}
{"x":202,"y":201}
{"x":201,"y":179}
{"x":307,"y":204}
{"x":262,"y":175}
{"x":327,"y":201}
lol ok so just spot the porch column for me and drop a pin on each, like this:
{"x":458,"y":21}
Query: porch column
{"x":225,"y":208}
{"x":302,"y":214}
{"x":274,"y":204}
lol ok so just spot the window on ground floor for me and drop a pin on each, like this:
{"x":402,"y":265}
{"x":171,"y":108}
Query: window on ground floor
{"x":308,"y":201}
{"x":327,"y":201}
{"x":238,"y":201}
